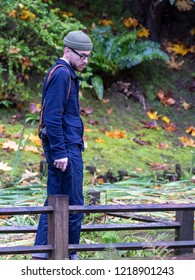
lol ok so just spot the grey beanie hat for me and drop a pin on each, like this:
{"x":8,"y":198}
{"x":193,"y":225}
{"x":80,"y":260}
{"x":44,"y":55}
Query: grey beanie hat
{"x":78,"y":40}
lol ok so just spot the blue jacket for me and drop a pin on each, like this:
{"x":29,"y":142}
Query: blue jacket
{"x":61,"y":114}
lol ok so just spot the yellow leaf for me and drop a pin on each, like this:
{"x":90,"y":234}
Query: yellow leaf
{"x":165,"y":119}
{"x":105,"y":22}
{"x":27,"y":15}
{"x":192,"y":32}
{"x":99,"y":140}
{"x":13,"y":14}
{"x":143,"y":32}
{"x":180,"y":49}
{"x":35,"y":139}
{"x":5,"y":167}
{"x":152,"y":115}
{"x":130,"y":22}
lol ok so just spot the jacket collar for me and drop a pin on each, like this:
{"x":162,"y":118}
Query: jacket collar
{"x":72,"y":72}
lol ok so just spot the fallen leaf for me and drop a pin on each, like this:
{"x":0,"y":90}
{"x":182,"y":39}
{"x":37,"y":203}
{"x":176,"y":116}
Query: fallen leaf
{"x":104,"y":100}
{"x":187,"y":142}
{"x":185,"y":105}
{"x":130,"y":22}
{"x":32,"y":149}
{"x":99,"y":140}
{"x":170,"y":127}
{"x":1,"y":128}
{"x":10,"y":145}
{"x":109,"y":111}
{"x":165,"y":98}
{"x":166,"y":119}
{"x":173,"y":64}
{"x":116,"y":134}
{"x":153,"y":115}
{"x":163,"y":146}
{"x":5,"y":167}
{"x":35,"y":139}
{"x":191,"y":130}
{"x":143,"y":32}
{"x":86,"y":111}
{"x":28,"y":174}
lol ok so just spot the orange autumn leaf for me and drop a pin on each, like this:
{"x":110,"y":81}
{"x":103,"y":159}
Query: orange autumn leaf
{"x":27,"y":15}
{"x":26,"y":62}
{"x":165,"y":98}
{"x":105,"y":22}
{"x":191,"y":130}
{"x":153,"y":115}
{"x":109,"y":111}
{"x":100,"y":181}
{"x":130,"y":22}
{"x":163,"y":146}
{"x":173,"y":64}
{"x":187,"y":142}
{"x":99,"y":140}
{"x":105,"y":100}
{"x":14,"y":50}
{"x":116,"y":134}
{"x":159,"y":166}
{"x":170,"y":127}
{"x":1,"y":128}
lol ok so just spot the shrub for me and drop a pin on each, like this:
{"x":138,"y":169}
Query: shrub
{"x":31,"y":35}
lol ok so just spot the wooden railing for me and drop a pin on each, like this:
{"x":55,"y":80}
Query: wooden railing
{"x":58,"y":224}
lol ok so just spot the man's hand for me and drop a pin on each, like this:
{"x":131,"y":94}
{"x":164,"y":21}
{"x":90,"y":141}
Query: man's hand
{"x":61,"y":163}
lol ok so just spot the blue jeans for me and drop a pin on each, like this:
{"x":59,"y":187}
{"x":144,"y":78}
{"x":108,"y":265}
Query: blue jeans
{"x":67,"y":183}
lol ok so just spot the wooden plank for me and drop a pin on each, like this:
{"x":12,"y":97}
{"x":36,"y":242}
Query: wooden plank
{"x":138,"y":226}
{"x":18,"y":229}
{"x":132,"y":208}
{"x":132,"y":246}
{"x":25,"y":210}
{"x":25,"y":249}
{"x":58,"y":226}
{"x":186,"y":231}
{"x":133,"y":216}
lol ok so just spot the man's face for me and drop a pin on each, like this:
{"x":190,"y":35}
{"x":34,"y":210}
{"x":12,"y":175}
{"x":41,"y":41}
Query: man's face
{"x":78,"y":59}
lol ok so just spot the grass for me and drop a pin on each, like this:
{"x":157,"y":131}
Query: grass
{"x":142,"y":185}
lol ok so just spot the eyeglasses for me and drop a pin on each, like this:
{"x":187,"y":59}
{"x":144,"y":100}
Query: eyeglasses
{"x":81,"y":55}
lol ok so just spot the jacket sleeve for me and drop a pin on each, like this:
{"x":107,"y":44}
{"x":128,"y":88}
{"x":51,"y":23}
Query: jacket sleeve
{"x":55,"y":101}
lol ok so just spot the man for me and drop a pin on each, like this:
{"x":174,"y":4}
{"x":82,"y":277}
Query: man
{"x":63,"y":137}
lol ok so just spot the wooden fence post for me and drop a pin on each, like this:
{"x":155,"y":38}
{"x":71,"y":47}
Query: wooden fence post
{"x":186,"y":229}
{"x":58,"y":226}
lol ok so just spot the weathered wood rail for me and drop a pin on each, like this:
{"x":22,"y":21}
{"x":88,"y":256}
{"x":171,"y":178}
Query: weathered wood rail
{"x":58,"y":207}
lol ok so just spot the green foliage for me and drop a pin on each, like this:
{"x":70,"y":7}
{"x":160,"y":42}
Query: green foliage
{"x":113,"y":53}
{"x":31,"y":34}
